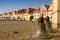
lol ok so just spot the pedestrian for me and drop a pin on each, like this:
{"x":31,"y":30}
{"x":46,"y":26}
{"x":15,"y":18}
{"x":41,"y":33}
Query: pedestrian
{"x":41,"y":20}
{"x":48,"y":25}
{"x":41,"y":31}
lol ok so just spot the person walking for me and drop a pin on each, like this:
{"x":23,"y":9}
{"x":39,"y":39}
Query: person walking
{"x":48,"y":25}
{"x":41,"y":31}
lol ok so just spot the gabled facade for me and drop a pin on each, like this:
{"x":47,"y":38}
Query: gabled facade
{"x":25,"y":14}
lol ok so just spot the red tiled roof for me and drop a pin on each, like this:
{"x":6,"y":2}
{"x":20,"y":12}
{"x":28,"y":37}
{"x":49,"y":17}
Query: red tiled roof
{"x":46,"y":6}
{"x":1,"y":14}
{"x":16,"y":12}
{"x":19,"y":11}
{"x":10,"y":13}
{"x":6,"y":13}
{"x":23,"y":10}
{"x":30,"y":10}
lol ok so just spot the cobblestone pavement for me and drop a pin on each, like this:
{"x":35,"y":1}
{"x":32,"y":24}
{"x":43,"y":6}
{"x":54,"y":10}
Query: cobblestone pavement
{"x":22,"y":30}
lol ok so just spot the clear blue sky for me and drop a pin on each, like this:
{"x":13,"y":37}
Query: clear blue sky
{"x":10,"y":5}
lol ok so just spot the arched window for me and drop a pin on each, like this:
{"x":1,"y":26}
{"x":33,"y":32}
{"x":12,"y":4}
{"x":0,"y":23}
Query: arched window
{"x":18,"y":18}
{"x":9,"y":17}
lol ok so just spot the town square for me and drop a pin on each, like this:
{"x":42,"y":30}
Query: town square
{"x":31,"y":22}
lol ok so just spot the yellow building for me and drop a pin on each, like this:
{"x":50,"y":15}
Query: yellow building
{"x":55,"y":7}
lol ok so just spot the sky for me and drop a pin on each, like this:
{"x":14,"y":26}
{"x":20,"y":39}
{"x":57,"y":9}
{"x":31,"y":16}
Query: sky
{"x":11,"y":5}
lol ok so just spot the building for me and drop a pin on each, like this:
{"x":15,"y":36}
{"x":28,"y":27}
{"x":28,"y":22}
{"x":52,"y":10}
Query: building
{"x":28,"y":13}
{"x":55,"y":7}
{"x":36,"y":14}
{"x":24,"y":14}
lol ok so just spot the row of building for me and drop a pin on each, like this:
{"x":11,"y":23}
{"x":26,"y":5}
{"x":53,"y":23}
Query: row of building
{"x":25,"y":14}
